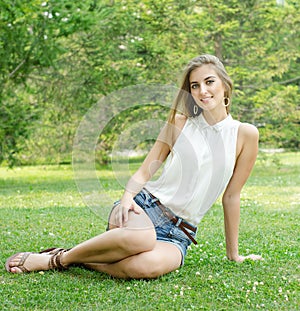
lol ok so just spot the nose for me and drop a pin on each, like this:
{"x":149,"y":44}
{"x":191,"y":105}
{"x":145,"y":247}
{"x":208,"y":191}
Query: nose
{"x":202,"y":89}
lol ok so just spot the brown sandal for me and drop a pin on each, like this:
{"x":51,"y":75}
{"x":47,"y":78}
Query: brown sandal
{"x":54,"y":262}
{"x":55,"y":259}
{"x":21,"y":262}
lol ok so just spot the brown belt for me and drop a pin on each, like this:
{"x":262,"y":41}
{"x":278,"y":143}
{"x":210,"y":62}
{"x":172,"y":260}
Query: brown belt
{"x":177,"y":221}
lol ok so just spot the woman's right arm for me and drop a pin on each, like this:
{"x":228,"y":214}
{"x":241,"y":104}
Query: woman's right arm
{"x":149,"y":167}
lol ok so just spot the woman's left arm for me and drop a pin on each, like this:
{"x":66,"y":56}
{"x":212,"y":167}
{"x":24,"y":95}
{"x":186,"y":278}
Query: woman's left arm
{"x":247,"y":149}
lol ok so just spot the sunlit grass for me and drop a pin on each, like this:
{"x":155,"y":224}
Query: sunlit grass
{"x":41,"y":207}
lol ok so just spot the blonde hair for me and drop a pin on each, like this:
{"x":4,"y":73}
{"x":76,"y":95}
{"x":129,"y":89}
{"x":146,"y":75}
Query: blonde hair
{"x":184,"y":102}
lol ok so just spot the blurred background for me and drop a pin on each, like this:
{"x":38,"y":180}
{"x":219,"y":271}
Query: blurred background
{"x":60,"y":57}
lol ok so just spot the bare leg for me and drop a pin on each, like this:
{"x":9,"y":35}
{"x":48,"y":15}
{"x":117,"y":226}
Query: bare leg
{"x":138,"y":236}
{"x":116,"y":244}
{"x":164,"y":258}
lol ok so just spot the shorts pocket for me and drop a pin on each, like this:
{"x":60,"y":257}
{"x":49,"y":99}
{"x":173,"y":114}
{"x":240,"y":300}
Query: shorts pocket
{"x":177,"y":234}
{"x":151,"y":208}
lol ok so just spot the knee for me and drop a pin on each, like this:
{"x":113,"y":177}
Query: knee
{"x":145,"y":268}
{"x":143,"y":271}
{"x":138,"y":241}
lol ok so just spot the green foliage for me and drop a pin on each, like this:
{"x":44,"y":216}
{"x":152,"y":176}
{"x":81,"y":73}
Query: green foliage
{"x":57,"y":58}
{"x":14,"y":120}
{"x":281,"y":127}
{"x":120,"y":124}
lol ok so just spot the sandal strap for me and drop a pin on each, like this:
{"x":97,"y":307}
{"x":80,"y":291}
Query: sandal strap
{"x":22,"y":261}
{"x":52,"y":250}
{"x":55,"y":260}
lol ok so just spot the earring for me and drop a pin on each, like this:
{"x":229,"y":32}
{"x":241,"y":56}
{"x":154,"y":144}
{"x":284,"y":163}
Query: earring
{"x":226,"y":102}
{"x":196,"y":108}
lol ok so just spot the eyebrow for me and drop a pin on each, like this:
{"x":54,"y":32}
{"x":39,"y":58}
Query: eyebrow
{"x":207,"y":78}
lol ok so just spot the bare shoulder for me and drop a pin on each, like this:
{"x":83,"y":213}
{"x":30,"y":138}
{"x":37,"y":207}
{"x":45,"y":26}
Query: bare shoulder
{"x":248,"y":136}
{"x":247,"y":149}
{"x":248,"y":132}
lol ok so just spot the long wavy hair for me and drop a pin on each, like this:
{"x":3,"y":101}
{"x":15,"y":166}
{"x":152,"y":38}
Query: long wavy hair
{"x":184,"y":102}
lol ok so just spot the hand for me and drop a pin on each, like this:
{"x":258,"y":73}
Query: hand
{"x":126,"y":205}
{"x":240,"y":258}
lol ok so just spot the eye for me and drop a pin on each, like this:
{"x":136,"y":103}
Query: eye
{"x":208,"y":82}
{"x":194,"y":86}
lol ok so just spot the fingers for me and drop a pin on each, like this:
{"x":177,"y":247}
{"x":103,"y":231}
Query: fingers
{"x":122,"y":213}
{"x":119,"y":215}
{"x":251,"y":257}
{"x":125,"y":212}
{"x":136,"y":208}
{"x":254,"y":257}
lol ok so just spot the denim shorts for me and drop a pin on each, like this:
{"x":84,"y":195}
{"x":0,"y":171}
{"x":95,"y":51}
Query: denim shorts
{"x":166,"y":230}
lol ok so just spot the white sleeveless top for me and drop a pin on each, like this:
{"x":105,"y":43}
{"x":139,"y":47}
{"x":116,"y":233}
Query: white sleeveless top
{"x":198,"y":169}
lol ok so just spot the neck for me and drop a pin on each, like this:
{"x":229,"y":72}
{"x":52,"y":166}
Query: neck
{"x":214,"y":117}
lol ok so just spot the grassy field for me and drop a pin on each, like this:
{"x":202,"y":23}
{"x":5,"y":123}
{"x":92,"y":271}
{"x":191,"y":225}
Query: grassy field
{"x":41,"y":207}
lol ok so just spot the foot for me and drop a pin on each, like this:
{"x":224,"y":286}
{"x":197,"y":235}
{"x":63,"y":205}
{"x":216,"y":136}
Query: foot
{"x":28,"y":262}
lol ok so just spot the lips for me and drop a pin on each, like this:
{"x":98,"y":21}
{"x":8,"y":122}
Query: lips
{"x":205,"y":100}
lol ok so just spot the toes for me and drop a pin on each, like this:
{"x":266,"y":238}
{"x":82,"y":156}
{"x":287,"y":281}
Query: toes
{"x":16,"y":270}
{"x":15,"y":261}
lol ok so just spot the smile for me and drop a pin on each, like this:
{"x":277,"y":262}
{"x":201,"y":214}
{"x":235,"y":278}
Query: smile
{"x":206,"y":99}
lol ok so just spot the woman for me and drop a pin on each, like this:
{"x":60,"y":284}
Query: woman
{"x":207,"y":153}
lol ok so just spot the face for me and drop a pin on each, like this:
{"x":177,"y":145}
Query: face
{"x":207,"y":88}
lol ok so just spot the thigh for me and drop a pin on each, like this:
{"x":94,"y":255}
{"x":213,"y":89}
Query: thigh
{"x":164,"y":258}
{"x":135,"y":221}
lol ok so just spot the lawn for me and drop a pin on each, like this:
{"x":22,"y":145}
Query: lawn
{"x":41,"y":207}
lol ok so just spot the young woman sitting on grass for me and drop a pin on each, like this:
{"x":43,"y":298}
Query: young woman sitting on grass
{"x":207,"y":153}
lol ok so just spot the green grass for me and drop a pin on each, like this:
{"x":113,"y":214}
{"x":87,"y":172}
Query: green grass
{"x":41,"y":207}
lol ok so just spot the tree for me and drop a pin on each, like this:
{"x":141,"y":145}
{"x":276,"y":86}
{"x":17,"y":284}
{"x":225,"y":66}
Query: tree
{"x":31,"y":41}
{"x":59,"y":57}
